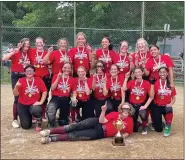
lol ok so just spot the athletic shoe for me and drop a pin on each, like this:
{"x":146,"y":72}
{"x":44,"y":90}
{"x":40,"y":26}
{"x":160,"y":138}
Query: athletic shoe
{"x":15,"y":124}
{"x":45,"y":133}
{"x":152,"y":127}
{"x":38,"y":127}
{"x":45,"y":140}
{"x":34,"y":121}
{"x":167,"y":130}
{"x":144,"y":131}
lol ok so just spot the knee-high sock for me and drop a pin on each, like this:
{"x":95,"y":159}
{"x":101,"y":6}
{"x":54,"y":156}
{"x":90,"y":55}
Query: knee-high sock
{"x":15,"y":114}
{"x":168,"y":118}
{"x":73,"y":111}
{"x":44,"y":110}
{"x":58,"y":130}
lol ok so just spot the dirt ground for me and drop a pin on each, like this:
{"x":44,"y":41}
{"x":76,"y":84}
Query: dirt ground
{"x":25,"y":144}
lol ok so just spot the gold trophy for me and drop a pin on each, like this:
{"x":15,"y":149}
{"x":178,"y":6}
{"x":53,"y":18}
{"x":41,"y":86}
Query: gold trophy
{"x":118,"y":140}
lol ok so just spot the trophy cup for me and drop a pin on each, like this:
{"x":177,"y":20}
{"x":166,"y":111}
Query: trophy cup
{"x":118,"y":140}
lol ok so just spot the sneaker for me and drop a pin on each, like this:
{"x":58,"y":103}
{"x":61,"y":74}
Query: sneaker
{"x":45,"y":140}
{"x":34,"y":121}
{"x":15,"y":124}
{"x":144,"y":131}
{"x":152,"y":127}
{"x":38,"y":126}
{"x":45,"y":133}
{"x":167,"y":130}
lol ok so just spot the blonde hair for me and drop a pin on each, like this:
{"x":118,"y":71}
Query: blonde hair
{"x":82,"y":68}
{"x":146,"y":44}
{"x":63,"y":39}
{"x":131,"y":110}
{"x":78,"y":34}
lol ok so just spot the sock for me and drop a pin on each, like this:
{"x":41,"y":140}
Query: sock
{"x":144,"y":123}
{"x":73,"y":115}
{"x":62,"y":137}
{"x":15,"y":114}
{"x":44,"y":110}
{"x":58,"y":130}
{"x":168,"y":118}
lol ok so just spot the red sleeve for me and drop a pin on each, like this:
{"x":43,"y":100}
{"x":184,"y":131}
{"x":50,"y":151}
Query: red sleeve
{"x":148,"y":65}
{"x":51,"y":57}
{"x":129,"y":85}
{"x":174,"y":93}
{"x":42,"y":86}
{"x":89,"y":83}
{"x":169,"y":62}
{"x":54,"y":78}
{"x":129,"y":126}
{"x":21,"y":80}
{"x":112,"y":116}
{"x":108,"y":85}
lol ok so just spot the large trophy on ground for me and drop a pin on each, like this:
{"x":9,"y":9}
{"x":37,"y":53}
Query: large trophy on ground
{"x":118,"y":140}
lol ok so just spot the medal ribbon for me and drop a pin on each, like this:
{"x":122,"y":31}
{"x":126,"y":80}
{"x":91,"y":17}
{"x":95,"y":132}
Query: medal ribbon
{"x":65,"y":83}
{"x":159,"y":63}
{"x":162,"y":87}
{"x":139,"y":86}
{"x":122,"y":61}
{"x":106,"y":57}
{"x":30,"y":87}
{"x":39,"y":56}
{"x":99,"y":80}
{"x":113,"y":83}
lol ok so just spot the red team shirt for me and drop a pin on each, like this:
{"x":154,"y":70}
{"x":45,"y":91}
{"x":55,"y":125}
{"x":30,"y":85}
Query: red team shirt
{"x":80,"y":89}
{"x":166,"y":96}
{"x":80,"y":58}
{"x":57,"y":60}
{"x":115,"y":88}
{"x":122,"y":62}
{"x":63,"y":88}
{"x":110,"y":128}
{"x":152,"y":67}
{"x":98,"y":91}
{"x":110,"y":57}
{"x":137,"y":91}
{"x":41,"y":69}
{"x":17,"y":62}
{"x":38,"y":87}
{"x":140,"y":55}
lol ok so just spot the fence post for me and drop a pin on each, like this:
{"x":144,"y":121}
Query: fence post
{"x":74,"y":22}
{"x":142,"y":18}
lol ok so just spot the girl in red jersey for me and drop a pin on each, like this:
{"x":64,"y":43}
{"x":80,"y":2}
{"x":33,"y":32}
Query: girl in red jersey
{"x":123,"y":60}
{"x":58,"y":57}
{"x":20,"y":59}
{"x":114,"y":84}
{"x":62,"y":85}
{"x":81,"y":54}
{"x":100,"y":93}
{"x":93,"y":128}
{"x":157,"y":61}
{"x":139,"y":90}
{"x":30,"y":100}
{"x":81,"y":95}
{"x":163,"y":101}
{"x":142,"y":54}
{"x":41,"y":70}
{"x":106,"y":54}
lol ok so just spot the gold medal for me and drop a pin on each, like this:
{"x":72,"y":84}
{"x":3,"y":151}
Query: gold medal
{"x":137,"y":97}
{"x":64,"y":91}
{"x":81,"y":62}
{"x":162,"y":97}
{"x":29,"y":95}
{"x":80,"y":95}
{"x":121,"y":69}
{"x":38,"y":65}
{"x":100,"y":90}
{"x":115,"y":94}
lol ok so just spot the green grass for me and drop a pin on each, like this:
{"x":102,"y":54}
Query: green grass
{"x":5,"y":76}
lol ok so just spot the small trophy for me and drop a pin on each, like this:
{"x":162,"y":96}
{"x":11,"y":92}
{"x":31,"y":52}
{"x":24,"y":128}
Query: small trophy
{"x":118,"y":140}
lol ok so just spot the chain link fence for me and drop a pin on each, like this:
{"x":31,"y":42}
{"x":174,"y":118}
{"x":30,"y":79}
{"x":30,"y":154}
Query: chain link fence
{"x":117,"y":20}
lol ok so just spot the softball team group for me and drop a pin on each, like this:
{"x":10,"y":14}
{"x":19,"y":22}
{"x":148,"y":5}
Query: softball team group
{"x":91,"y":89}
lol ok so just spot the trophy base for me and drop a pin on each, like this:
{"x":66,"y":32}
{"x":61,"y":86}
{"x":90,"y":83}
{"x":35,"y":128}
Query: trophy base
{"x":118,"y":141}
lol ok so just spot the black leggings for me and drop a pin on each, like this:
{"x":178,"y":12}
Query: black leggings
{"x":115,"y":104}
{"x":26,"y":112}
{"x":56,"y":103}
{"x":47,"y":82}
{"x":88,"y":129}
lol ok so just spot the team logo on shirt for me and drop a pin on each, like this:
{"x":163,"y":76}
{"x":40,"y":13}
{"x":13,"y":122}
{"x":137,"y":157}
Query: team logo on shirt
{"x":80,"y":88}
{"x":63,"y":86}
{"x":80,"y":55}
{"x":99,"y":83}
{"x":31,"y":90}
{"x":64,"y":58}
{"x":122,"y":64}
{"x":24,"y":62}
{"x":105,"y":59}
{"x":39,"y":61}
{"x":115,"y":87}
{"x":164,"y":92}
{"x":137,"y":91}
{"x":157,"y":66}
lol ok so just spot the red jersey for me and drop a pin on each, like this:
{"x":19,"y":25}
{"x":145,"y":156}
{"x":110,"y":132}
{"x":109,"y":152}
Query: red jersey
{"x":79,"y":87}
{"x":98,"y":91}
{"x":80,"y":57}
{"x":64,"y":86}
{"x":138,"y":91}
{"x":31,"y":92}
{"x":110,"y":128}
{"x":19,"y":61}
{"x":57,"y":59}
{"x":36,"y":59}
{"x":140,"y":56}
{"x":107,"y":57}
{"x":122,"y":62}
{"x":163,"y":96}
{"x":154,"y":64}
{"x":114,"y":85}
